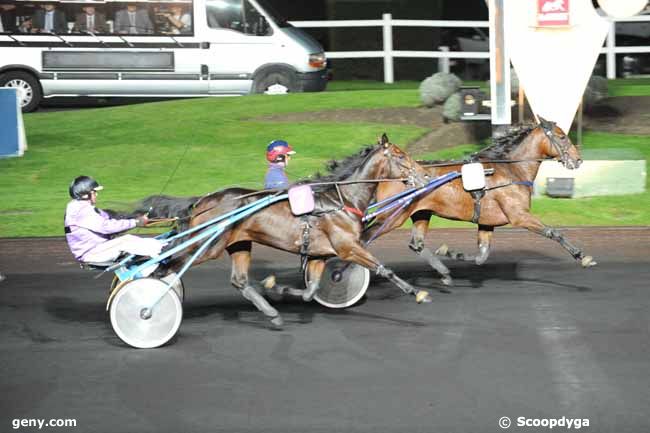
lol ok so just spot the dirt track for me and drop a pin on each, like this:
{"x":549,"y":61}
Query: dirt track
{"x":624,"y":115}
{"x":529,"y":334}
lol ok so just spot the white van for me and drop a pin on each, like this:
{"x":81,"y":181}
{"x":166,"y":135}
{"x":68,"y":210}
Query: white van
{"x":152,"y":48}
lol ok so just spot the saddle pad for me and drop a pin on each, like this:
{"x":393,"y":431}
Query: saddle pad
{"x":301,"y":199}
{"x":473,"y":176}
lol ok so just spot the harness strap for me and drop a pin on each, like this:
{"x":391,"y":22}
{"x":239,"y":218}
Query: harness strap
{"x":477,"y":196}
{"x":354,"y":210}
{"x":304,"y":246}
{"x":527,"y":183}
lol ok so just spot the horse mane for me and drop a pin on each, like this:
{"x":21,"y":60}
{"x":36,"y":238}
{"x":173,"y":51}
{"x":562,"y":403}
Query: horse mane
{"x":503,"y":145}
{"x":500,"y":147}
{"x":339,"y":170}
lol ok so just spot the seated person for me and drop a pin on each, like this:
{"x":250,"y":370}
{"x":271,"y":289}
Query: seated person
{"x":7,"y":17}
{"x":49,"y":20}
{"x":278,"y":154}
{"x":88,"y":230}
{"x":26,"y":26}
{"x":180,"y":22}
{"x":90,"y":21}
{"x":133,"y":21}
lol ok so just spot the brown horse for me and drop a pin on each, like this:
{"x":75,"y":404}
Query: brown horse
{"x":515,"y":158}
{"x":334,"y":229}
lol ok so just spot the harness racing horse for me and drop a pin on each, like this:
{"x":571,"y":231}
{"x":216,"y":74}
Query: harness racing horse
{"x":334,"y":229}
{"x":515,"y":158}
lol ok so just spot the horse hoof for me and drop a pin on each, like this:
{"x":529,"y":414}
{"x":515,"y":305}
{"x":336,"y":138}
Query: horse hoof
{"x":269,"y":282}
{"x":447,"y":281}
{"x":277,"y":322}
{"x":423,"y":297}
{"x":480,"y":260}
{"x":308,"y":295}
{"x":588,"y":261}
{"x":442,"y":250}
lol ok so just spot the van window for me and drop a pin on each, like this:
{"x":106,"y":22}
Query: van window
{"x":238,"y":15}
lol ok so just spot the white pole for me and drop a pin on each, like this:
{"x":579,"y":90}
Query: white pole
{"x":443,"y":62}
{"x":388,"y":48}
{"x":611,"y":54}
{"x":499,"y":66}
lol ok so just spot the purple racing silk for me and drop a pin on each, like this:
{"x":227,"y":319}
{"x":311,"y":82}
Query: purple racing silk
{"x":87,"y":227}
{"x":275,"y":177}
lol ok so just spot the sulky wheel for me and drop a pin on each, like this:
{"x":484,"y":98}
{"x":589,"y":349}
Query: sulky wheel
{"x":343,"y":284}
{"x":178,"y":286}
{"x":136,"y":323}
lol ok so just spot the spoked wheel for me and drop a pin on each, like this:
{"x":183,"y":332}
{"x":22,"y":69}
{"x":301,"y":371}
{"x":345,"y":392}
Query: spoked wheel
{"x":29,"y":91}
{"x":139,"y":325}
{"x":342,"y":285}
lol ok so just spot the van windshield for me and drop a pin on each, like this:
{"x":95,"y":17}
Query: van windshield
{"x":279,"y":19}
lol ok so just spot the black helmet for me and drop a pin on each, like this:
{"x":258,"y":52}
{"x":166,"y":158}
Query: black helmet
{"x":82,"y":186}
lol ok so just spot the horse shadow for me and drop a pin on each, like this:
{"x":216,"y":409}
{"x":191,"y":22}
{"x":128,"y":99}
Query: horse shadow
{"x":470,"y":275}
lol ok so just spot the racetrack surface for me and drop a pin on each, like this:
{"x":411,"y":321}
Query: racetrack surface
{"x":529,"y":334}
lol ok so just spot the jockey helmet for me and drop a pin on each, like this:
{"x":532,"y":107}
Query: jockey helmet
{"x":81,"y":187}
{"x":276,"y":149}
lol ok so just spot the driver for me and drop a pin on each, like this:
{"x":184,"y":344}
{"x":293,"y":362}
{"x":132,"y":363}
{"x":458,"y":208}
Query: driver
{"x":278,"y":153}
{"x":88,"y":229}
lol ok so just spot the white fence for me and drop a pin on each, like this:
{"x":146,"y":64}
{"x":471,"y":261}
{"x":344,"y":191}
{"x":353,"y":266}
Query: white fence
{"x":388,"y":54}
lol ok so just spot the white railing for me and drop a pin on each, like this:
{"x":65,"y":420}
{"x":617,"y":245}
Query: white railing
{"x":443,"y":54}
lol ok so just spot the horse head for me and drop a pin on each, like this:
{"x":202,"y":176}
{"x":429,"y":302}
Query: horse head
{"x":400,"y":164}
{"x":559,"y":144}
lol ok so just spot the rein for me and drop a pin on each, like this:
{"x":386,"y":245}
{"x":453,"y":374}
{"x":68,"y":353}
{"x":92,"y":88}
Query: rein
{"x":335,"y":183}
{"x":489,"y":161}
{"x":277,"y":191}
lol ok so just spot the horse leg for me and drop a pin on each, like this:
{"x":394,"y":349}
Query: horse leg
{"x":484,"y":238}
{"x":241,"y":261}
{"x":420,"y":227}
{"x":533,"y":224}
{"x":314,"y":271}
{"x":354,"y":252}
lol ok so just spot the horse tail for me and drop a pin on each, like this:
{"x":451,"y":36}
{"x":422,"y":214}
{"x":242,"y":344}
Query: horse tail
{"x":164,"y":206}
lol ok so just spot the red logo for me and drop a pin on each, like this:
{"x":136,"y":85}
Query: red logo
{"x":552,"y":13}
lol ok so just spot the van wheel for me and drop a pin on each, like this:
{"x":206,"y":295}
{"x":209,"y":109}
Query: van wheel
{"x":29,"y":90}
{"x":282,"y":80}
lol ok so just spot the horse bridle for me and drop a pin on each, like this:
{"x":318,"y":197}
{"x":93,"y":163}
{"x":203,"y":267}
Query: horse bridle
{"x":406,"y":171}
{"x":562,"y":148}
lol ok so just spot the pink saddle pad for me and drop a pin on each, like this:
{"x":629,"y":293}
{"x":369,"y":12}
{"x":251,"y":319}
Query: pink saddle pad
{"x":301,"y":199}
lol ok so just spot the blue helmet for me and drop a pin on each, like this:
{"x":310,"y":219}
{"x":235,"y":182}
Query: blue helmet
{"x":277,"y":148}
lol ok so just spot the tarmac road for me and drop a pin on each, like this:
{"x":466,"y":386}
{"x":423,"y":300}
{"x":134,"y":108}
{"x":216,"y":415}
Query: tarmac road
{"x":530,"y":334}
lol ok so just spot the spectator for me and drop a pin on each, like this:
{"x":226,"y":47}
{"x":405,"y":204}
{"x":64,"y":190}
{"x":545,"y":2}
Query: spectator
{"x":133,"y":21}
{"x":90,"y":21}
{"x":26,"y":26}
{"x":49,"y":20}
{"x":7,"y":17}
{"x":180,"y":22}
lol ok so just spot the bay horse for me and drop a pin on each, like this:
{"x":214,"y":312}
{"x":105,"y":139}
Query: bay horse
{"x":334,"y":229}
{"x":515,"y":158}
